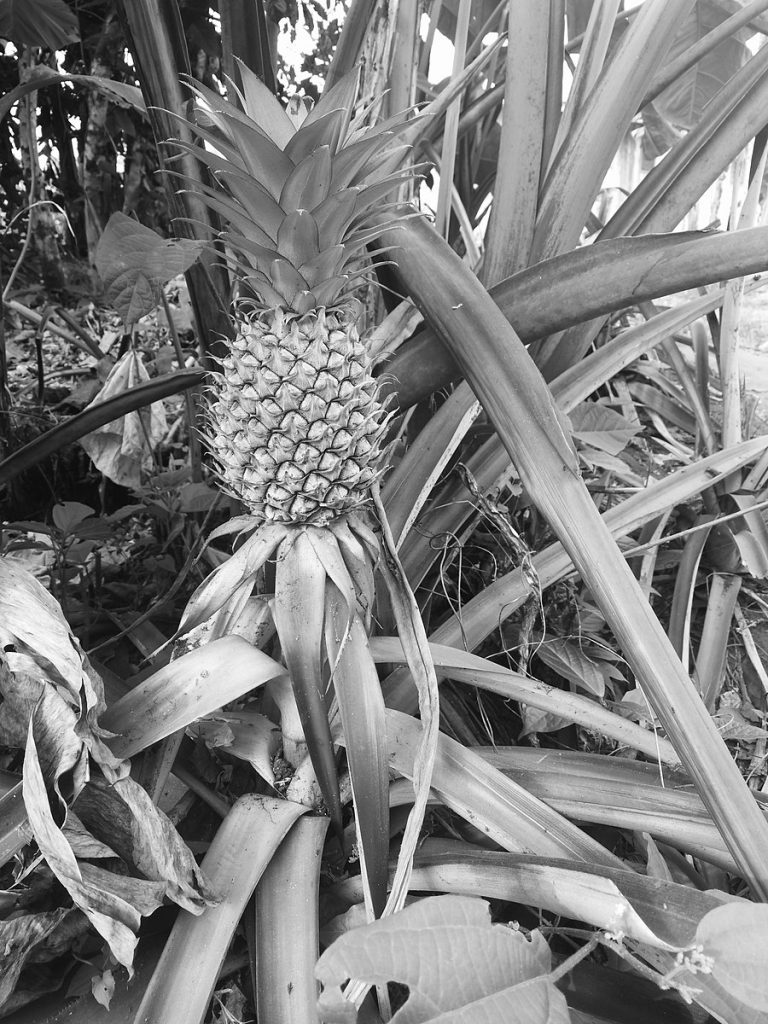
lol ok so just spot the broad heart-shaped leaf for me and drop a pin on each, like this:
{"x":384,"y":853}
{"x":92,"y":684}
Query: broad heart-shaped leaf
{"x":134,"y":263}
{"x":683,"y":101}
{"x":570,"y":660}
{"x":48,"y":23}
{"x":735,"y":936}
{"x":602,"y":427}
{"x":69,"y":514}
{"x":448,"y":14}
{"x":457,"y":965}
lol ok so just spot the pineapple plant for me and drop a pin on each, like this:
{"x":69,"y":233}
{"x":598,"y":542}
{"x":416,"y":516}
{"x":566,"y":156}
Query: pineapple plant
{"x":297,"y":430}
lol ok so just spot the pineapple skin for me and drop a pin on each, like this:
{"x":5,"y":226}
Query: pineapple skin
{"x":296,"y":427}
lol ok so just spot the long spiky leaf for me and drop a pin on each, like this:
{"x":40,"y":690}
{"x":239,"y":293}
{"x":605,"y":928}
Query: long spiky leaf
{"x":518,"y":402}
{"x":300,"y":582}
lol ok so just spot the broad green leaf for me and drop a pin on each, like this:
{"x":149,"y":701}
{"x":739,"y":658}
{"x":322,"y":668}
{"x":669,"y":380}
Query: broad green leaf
{"x":481,"y":12}
{"x":122,"y":94}
{"x":569,"y":659}
{"x":735,"y":937}
{"x":671,"y":188}
{"x":659,"y":918}
{"x":602,"y":427}
{"x":68,"y":514}
{"x":734,"y":726}
{"x":134,"y":263}
{"x":535,"y":720}
{"x":593,"y":457}
{"x":48,"y":23}
{"x":458,"y":967}
{"x":683,"y":101}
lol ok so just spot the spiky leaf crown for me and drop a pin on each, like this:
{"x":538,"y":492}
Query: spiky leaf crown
{"x":294,"y":201}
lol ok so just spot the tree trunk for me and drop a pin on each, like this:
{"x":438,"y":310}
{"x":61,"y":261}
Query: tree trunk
{"x":99,"y":169}
{"x":42,"y":229}
{"x":69,"y":171}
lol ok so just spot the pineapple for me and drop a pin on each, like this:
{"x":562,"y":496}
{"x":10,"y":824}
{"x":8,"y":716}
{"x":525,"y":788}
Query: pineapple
{"x":296,"y":428}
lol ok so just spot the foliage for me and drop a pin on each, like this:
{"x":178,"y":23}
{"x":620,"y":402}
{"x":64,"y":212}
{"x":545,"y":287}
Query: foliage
{"x":569,"y":536}
{"x":493,"y":972}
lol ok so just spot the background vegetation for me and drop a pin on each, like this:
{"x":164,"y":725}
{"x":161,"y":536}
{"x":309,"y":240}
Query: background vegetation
{"x":575,"y":486}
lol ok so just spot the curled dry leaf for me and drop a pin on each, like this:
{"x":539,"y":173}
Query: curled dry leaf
{"x":46,"y":680}
{"x":19,"y":938}
{"x":31,"y":623}
{"x":122,"y":449}
{"x":123,"y":815}
{"x":244,"y":734}
{"x":114,"y":919}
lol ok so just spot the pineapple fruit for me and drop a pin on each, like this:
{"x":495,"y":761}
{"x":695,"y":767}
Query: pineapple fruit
{"x":296,"y":428}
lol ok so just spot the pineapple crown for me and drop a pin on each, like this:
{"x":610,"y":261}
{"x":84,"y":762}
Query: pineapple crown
{"x":294,"y":199}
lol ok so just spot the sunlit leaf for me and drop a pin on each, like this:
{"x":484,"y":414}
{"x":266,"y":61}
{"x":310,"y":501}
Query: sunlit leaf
{"x":571,"y":661}
{"x":48,"y":23}
{"x":456,"y":964}
{"x":683,"y":101}
{"x":735,"y":937}
{"x":602,"y":427}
